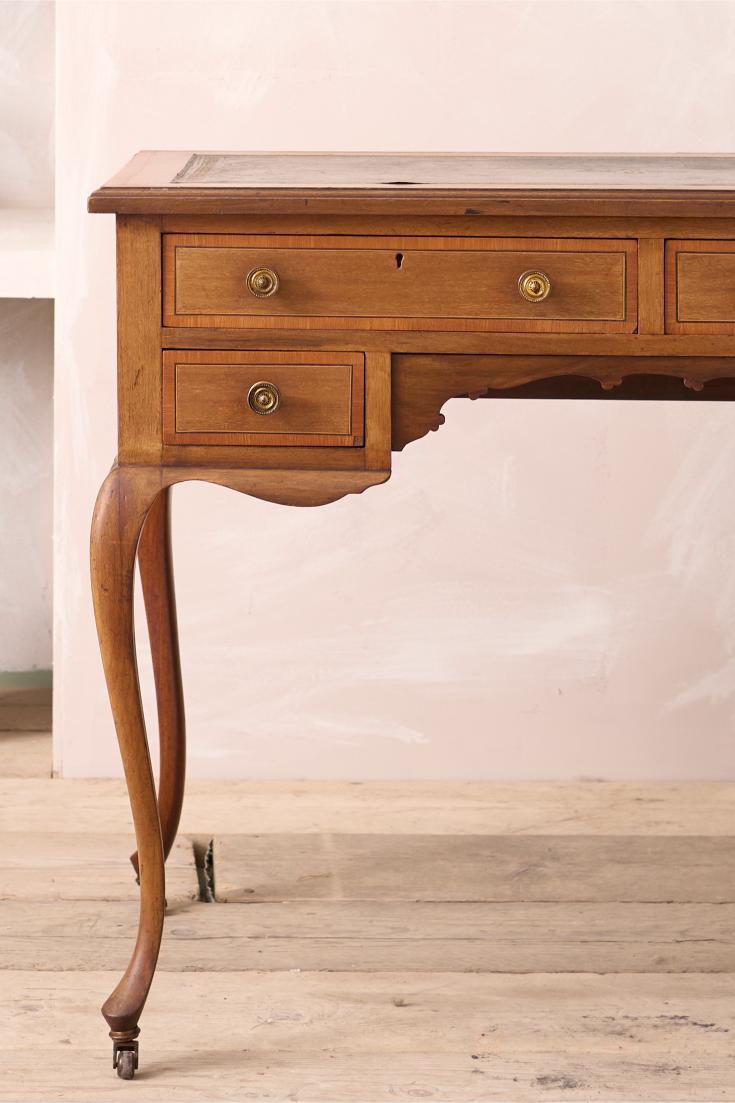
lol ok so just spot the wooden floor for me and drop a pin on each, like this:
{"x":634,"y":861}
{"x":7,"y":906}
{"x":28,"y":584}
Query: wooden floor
{"x":375,"y":942}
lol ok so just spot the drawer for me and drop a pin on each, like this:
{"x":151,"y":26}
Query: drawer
{"x":700,"y":286}
{"x":263,"y":398}
{"x":398,"y":283}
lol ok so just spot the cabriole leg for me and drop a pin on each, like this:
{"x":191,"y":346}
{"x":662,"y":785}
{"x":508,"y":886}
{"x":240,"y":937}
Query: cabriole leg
{"x":156,"y":574}
{"x":122,"y":505}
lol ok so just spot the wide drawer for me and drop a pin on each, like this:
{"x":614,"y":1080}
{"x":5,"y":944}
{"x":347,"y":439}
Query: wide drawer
{"x":700,"y":286}
{"x":266,"y":398}
{"x":399,"y":283}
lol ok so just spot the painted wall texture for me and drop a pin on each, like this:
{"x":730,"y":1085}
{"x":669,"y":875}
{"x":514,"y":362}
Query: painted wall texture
{"x":26,"y":103}
{"x":26,"y":345}
{"x":26,"y":458}
{"x":541,"y":591}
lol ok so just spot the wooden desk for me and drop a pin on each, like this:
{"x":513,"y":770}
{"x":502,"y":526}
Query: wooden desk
{"x":286,"y":321}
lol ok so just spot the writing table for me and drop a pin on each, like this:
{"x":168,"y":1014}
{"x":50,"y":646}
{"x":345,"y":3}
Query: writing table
{"x":286,"y":321}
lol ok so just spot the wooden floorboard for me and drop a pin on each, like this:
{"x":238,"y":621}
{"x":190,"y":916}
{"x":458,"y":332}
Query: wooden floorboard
{"x":61,"y":866}
{"x":453,"y":942}
{"x":252,"y":868}
{"x":26,"y":709}
{"x":365,"y":1037}
{"x":387,"y":808}
{"x":365,"y":936}
{"x":229,"y":1076}
{"x":25,"y":754}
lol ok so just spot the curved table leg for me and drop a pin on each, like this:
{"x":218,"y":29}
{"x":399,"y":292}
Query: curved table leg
{"x":127,"y":497}
{"x":122,"y":505}
{"x":156,"y":575}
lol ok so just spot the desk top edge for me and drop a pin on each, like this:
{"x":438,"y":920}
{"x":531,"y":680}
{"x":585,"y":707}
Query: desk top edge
{"x":154,"y":179}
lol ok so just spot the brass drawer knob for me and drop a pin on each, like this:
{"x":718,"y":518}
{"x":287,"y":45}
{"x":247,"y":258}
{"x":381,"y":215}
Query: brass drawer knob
{"x":534,"y":286}
{"x":262,"y":282}
{"x":264,"y":398}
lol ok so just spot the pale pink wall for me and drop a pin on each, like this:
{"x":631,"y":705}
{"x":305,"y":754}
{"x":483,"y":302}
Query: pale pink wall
{"x":26,"y":341}
{"x":541,"y":590}
{"x":26,"y":103}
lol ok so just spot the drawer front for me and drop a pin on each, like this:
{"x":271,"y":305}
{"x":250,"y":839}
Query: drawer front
{"x":263,"y":398}
{"x":700,"y":286}
{"x":398,"y":283}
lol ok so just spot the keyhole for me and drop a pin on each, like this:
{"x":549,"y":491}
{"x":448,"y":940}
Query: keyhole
{"x":399,"y":260}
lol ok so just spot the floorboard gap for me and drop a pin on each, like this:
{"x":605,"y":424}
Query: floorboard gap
{"x":204,"y":859}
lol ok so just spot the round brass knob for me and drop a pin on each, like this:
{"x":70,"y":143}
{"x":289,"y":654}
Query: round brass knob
{"x":262,"y":282}
{"x":534,"y":286}
{"x":264,"y":398}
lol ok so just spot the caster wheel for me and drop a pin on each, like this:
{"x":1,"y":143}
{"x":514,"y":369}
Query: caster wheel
{"x":125,"y":1061}
{"x":126,"y":1064}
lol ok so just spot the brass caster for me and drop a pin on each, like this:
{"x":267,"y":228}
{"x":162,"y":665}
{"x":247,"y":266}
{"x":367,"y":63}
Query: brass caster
{"x":125,"y":1059}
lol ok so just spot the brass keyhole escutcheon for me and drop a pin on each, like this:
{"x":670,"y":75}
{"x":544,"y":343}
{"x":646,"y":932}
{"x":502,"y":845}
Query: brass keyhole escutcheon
{"x":534,"y":286}
{"x":264,"y":398}
{"x":262,"y":282}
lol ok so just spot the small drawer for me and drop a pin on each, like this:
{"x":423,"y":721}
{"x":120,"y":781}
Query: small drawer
{"x":700,"y":286}
{"x":263,"y":398}
{"x":511,"y":284}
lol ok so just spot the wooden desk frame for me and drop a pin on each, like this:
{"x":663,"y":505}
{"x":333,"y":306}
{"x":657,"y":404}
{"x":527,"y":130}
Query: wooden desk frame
{"x":412,"y":367}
